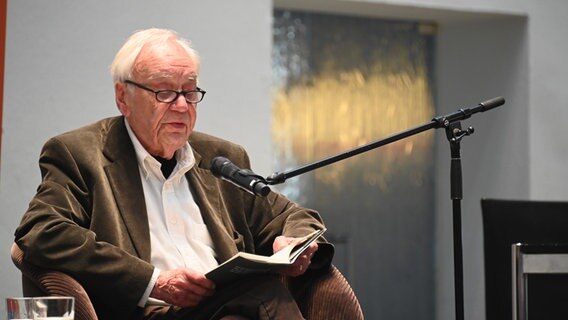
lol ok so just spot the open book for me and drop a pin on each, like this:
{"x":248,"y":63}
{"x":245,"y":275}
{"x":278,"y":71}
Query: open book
{"x":243,"y":263}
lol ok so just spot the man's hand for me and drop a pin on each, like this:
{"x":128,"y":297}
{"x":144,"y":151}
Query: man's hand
{"x":302,"y":263}
{"x":182,"y":287}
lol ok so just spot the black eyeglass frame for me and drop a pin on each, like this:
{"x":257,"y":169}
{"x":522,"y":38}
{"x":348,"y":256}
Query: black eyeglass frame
{"x":178,"y":93}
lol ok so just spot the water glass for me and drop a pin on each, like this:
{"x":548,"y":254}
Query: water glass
{"x":19,"y":308}
{"x":53,"y":308}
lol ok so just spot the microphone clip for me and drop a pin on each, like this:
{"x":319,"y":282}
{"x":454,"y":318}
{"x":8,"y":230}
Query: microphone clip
{"x":245,"y":179}
{"x":258,"y":186}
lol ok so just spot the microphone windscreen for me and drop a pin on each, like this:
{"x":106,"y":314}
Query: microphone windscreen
{"x":217,"y":165}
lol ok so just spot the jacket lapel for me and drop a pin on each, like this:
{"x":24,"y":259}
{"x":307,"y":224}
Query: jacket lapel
{"x":203,"y":185}
{"x":124,"y":178}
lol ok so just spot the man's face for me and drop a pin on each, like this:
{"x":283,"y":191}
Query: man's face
{"x":161,"y":127}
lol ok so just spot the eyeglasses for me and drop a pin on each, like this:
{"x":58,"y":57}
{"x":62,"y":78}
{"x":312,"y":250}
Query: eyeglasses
{"x":169,"y":96}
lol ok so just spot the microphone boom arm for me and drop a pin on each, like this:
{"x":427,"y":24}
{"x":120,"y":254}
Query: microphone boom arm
{"x":437,"y":122}
{"x":280,"y":177}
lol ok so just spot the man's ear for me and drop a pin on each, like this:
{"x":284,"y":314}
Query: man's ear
{"x":120,"y":97}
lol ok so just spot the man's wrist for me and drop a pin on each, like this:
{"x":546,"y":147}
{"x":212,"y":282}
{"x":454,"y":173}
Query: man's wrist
{"x":144,"y":299}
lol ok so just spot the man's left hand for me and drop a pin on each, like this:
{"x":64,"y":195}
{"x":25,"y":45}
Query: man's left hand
{"x":302,"y":263}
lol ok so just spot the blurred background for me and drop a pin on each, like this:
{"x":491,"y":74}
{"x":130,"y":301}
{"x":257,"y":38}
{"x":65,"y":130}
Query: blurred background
{"x":296,"y":81}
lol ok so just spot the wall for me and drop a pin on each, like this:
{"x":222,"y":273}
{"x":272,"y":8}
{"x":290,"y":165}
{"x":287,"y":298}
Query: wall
{"x":488,"y":48}
{"x":478,"y":61}
{"x":57,"y":58}
{"x":482,"y":52}
{"x":548,"y":99}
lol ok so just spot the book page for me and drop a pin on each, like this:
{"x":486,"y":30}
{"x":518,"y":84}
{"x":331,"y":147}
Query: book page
{"x":292,"y":251}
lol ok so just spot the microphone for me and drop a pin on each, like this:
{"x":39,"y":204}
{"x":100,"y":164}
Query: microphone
{"x":245,"y":179}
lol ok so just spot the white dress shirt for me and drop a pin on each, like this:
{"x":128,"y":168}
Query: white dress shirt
{"x":178,"y":236}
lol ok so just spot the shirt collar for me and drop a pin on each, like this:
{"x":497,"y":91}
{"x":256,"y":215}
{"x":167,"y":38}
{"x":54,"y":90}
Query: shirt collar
{"x":184,"y":156}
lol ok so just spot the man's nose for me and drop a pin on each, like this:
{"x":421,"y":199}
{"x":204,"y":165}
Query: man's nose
{"x":180,"y":104}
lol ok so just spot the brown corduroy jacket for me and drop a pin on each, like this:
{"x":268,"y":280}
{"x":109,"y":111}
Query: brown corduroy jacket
{"x":89,"y":220}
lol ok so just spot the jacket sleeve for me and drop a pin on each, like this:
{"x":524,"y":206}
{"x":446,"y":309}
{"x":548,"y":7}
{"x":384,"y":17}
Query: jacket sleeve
{"x":57,"y":232}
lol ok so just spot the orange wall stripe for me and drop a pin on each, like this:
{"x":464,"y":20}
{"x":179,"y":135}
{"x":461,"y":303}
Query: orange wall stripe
{"x":3,"y":7}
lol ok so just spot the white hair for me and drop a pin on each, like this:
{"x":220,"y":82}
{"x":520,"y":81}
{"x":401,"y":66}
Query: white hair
{"x":123,"y":63}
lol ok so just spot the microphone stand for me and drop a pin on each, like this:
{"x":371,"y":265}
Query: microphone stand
{"x":451,"y":123}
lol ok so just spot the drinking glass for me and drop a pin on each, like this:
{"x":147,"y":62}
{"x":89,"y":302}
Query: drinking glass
{"x":19,"y":308}
{"x":53,"y":308}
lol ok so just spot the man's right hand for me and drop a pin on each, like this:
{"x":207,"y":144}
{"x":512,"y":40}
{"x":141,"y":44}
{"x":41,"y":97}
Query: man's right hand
{"x":182,"y":287}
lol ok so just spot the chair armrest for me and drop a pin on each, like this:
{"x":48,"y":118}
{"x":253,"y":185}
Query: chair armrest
{"x":37,"y":281}
{"x":325,"y":296}
{"x":320,"y":295}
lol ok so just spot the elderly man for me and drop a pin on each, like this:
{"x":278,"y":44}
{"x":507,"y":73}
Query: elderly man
{"x":129,"y":207}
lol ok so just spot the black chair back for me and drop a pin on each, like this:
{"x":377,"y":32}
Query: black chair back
{"x":506,"y":222}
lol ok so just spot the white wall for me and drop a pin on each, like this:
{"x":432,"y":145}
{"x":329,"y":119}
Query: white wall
{"x":548,"y":99}
{"x":488,"y":48}
{"x":478,"y":61}
{"x":58,"y":54}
